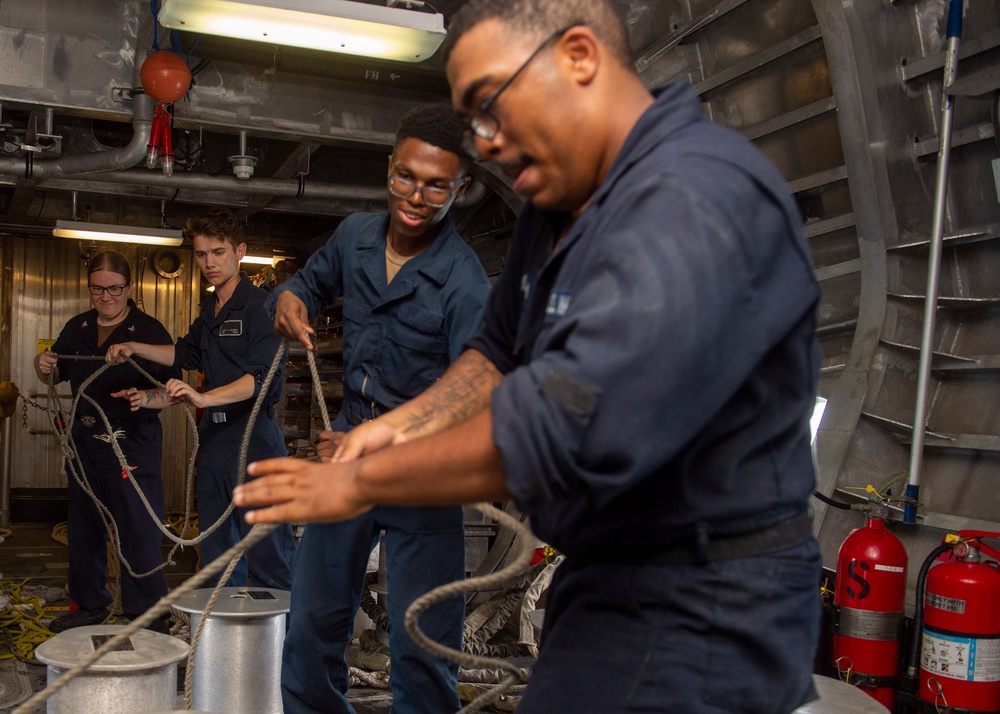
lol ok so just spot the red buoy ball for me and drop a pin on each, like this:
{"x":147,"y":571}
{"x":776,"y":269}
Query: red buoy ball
{"x":165,"y":76}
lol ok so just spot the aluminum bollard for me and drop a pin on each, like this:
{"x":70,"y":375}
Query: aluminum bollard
{"x":140,"y":675}
{"x":237,"y":660}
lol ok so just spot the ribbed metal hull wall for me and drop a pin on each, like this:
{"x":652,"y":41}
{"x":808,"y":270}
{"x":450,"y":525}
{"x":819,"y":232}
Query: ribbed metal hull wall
{"x":844,"y":98}
{"x":889,"y":69}
{"x":761,"y":68}
{"x":48,"y":287}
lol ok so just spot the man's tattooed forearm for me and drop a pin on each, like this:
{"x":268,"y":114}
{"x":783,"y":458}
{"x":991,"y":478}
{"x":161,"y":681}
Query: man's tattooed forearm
{"x":157,"y":399}
{"x":460,"y":396}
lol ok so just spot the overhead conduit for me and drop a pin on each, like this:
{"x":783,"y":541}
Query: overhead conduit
{"x":276,"y":187}
{"x":111,"y":166}
{"x":109,"y":160}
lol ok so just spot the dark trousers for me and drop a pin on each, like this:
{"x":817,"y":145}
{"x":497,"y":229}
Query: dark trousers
{"x":424,"y":548}
{"x":732,"y":636}
{"x":268,"y":564}
{"x":141,"y":442}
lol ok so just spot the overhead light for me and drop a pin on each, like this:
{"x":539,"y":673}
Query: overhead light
{"x":117,"y":234}
{"x":258,"y":259}
{"x":330,"y":25}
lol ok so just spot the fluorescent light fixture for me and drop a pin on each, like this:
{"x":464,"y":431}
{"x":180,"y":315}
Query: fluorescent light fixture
{"x":117,"y":234}
{"x":258,"y":259}
{"x":330,"y":25}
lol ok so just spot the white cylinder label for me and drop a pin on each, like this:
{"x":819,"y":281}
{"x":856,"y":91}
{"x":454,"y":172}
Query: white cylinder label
{"x":869,"y":624}
{"x":890,"y":568}
{"x":967,"y":658}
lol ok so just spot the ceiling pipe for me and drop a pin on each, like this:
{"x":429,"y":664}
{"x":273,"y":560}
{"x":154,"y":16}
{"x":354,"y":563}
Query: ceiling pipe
{"x":110,"y":160}
{"x":286,"y":188}
{"x":110,"y":167}
{"x":292,"y":188}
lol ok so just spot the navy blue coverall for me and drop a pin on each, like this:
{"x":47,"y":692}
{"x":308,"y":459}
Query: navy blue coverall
{"x":660,"y":370}
{"x":141,"y":440}
{"x":239,"y":340}
{"x":398,"y":338}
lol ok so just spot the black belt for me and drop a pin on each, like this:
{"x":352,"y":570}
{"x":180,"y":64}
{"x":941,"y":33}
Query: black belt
{"x":225,"y":416}
{"x":704,"y":547}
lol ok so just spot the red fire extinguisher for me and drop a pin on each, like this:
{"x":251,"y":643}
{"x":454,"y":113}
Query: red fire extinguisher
{"x":870,"y":594}
{"x":960,"y":637}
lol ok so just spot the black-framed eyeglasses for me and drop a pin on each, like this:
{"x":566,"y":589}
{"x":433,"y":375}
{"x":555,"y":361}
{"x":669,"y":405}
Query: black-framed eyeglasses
{"x":434,"y":196}
{"x":112,"y":290}
{"x":483,"y":123}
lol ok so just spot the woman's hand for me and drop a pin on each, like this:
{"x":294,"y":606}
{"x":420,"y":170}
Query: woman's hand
{"x":117,"y":353}
{"x":45,"y":362}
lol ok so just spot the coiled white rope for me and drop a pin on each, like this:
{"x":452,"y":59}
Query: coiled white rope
{"x":517,"y":565}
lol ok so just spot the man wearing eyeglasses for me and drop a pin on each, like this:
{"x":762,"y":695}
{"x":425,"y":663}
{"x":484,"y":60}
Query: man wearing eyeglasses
{"x":641,"y":387}
{"x":413,"y":293}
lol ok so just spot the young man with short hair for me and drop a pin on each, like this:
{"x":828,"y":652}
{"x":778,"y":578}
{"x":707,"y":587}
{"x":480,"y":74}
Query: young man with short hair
{"x":232,"y":343}
{"x":413,"y":294}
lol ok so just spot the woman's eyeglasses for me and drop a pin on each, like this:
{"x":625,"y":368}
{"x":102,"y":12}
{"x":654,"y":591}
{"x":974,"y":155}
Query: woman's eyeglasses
{"x":112,"y":290}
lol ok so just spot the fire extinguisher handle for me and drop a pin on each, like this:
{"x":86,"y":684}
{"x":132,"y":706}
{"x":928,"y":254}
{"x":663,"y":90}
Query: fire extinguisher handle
{"x":978,"y":536}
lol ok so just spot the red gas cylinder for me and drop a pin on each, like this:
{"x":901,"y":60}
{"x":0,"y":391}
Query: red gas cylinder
{"x":960,"y":644}
{"x":870,"y":594}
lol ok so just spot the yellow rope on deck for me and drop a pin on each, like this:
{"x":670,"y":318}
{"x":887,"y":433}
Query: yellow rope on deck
{"x":20,"y":623}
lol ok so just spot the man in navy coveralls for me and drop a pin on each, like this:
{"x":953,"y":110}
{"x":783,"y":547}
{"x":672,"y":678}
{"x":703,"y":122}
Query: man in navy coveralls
{"x":413,"y":295}
{"x":641,"y":388}
{"x":232,"y":343}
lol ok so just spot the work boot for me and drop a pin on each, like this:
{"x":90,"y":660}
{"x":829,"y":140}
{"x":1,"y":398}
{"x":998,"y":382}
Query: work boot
{"x":80,"y":618}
